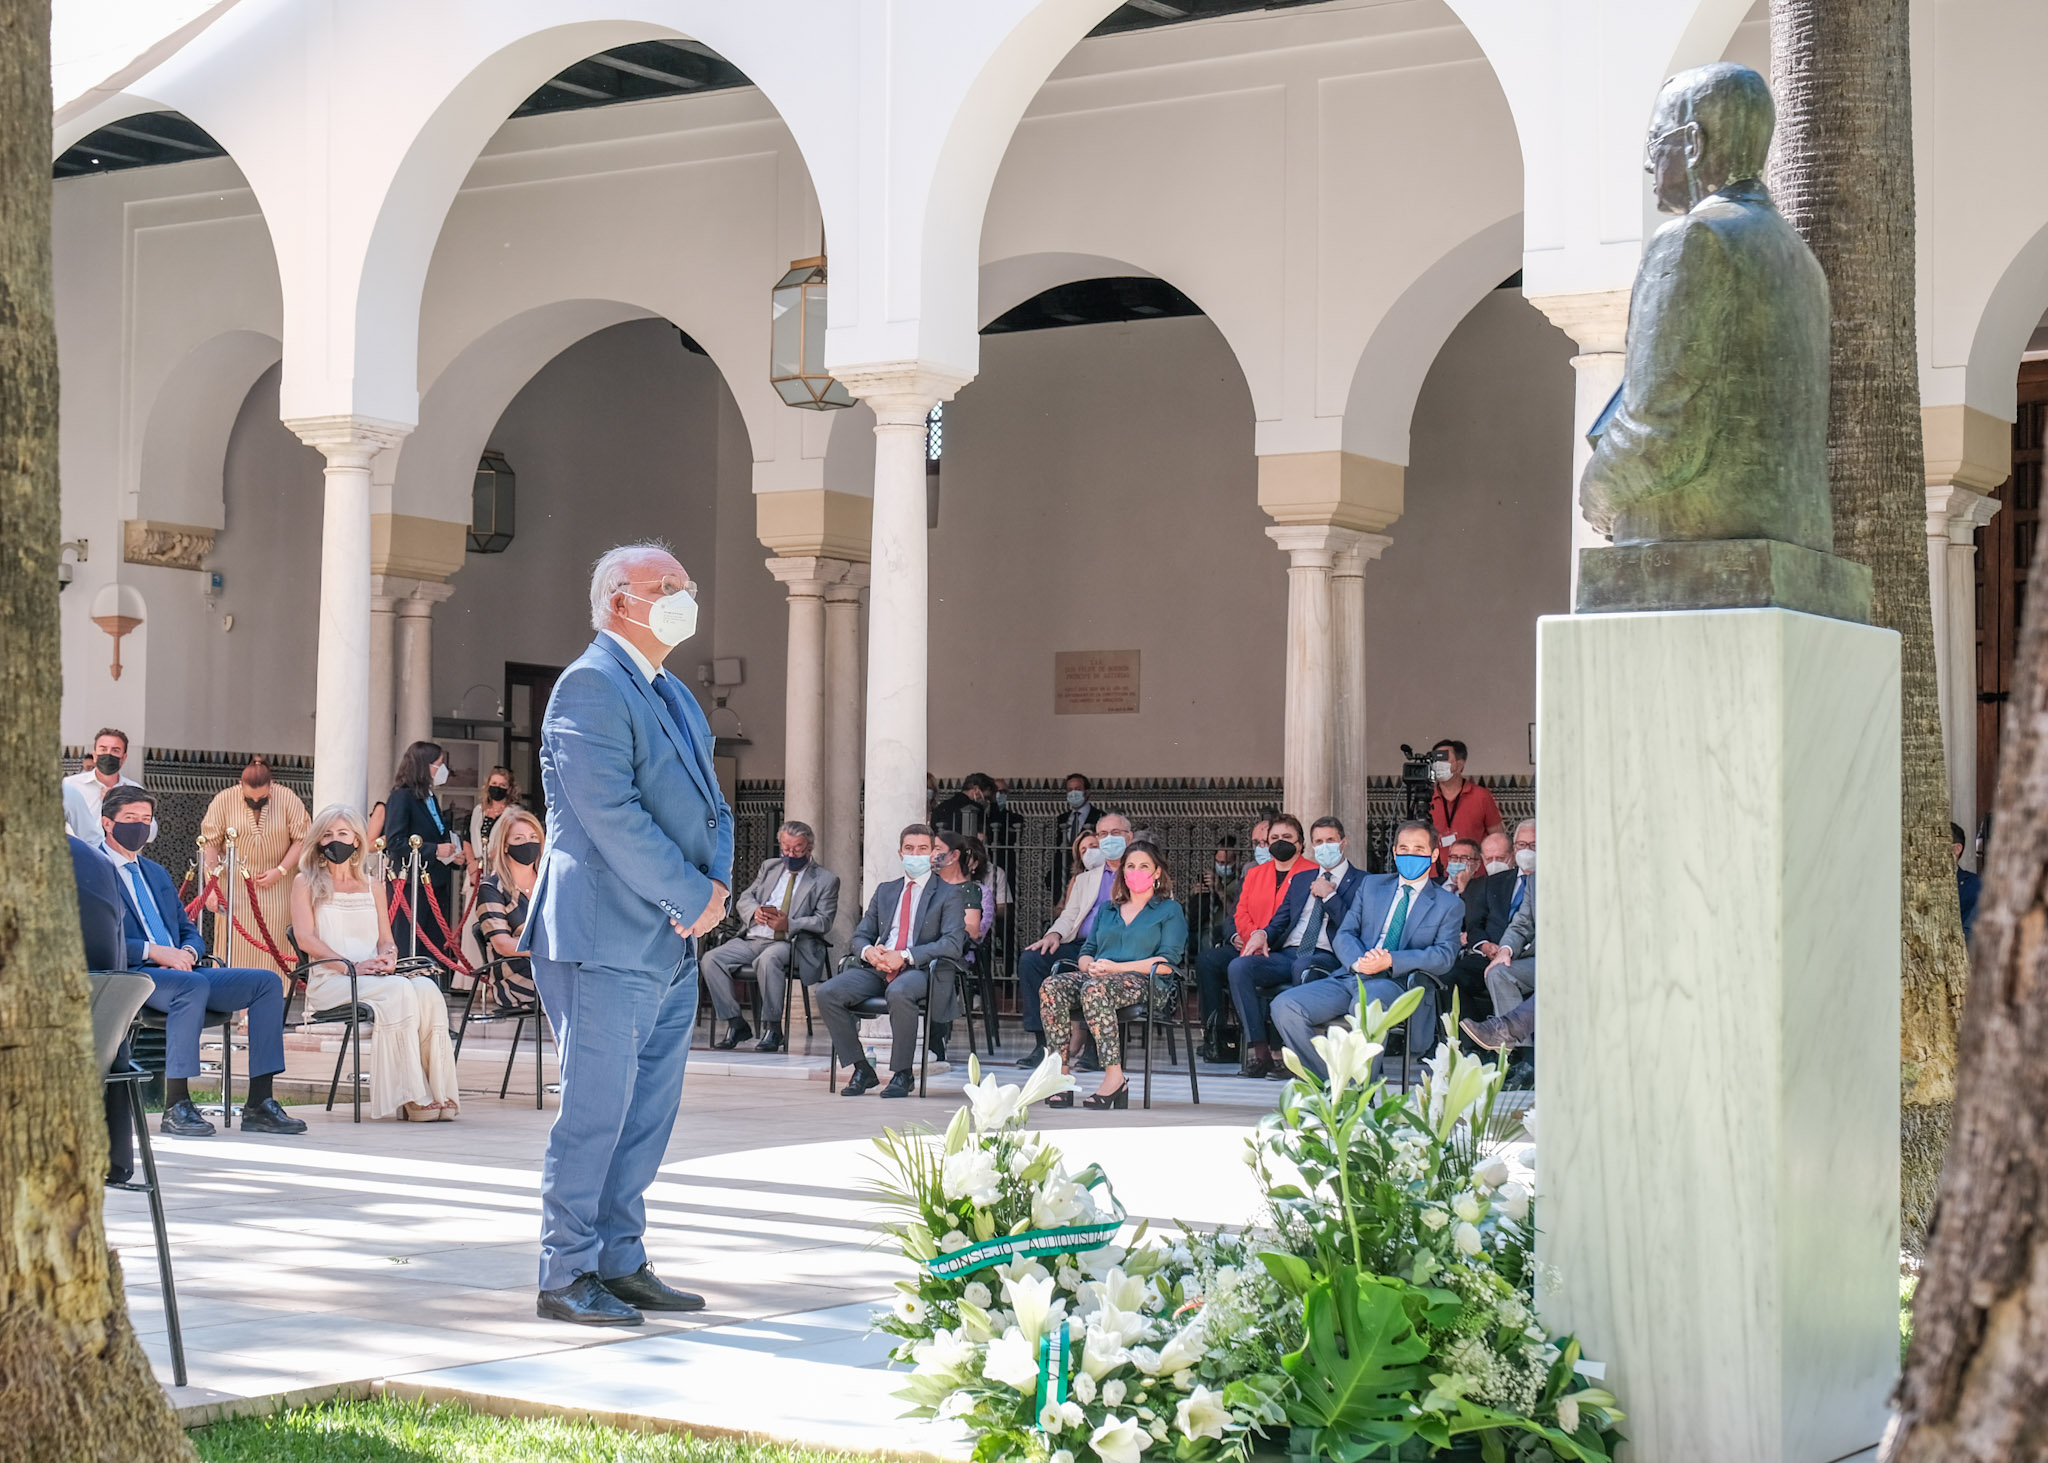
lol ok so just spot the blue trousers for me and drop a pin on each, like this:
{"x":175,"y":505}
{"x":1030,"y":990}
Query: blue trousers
{"x":1298,"y":1012}
{"x":1032,"y":969}
{"x":1252,"y":975}
{"x":185,"y":996}
{"x":623,"y":1037}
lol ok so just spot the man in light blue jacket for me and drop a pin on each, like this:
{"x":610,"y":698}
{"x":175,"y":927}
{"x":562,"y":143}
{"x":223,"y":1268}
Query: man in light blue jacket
{"x":638,"y":864}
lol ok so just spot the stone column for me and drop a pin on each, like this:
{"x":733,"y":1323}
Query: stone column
{"x":416,"y":663}
{"x":1954,"y":514}
{"x":1347,"y":636}
{"x":803,"y":757}
{"x":901,"y":394}
{"x":384,"y":596}
{"x":1307,"y":763}
{"x":1598,"y":323}
{"x":841,"y":832}
{"x":341,"y":727}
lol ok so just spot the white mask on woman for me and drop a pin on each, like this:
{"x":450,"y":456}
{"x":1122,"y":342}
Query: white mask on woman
{"x":1091,"y":858}
{"x":440,"y":774}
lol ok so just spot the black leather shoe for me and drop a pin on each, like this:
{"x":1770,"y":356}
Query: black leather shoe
{"x":735,"y":1033}
{"x":772,"y":1040}
{"x":902,"y":1084}
{"x":861,"y":1083}
{"x":586,"y":1302}
{"x":183,"y":1120}
{"x":646,"y":1291}
{"x":1260,"y":1067}
{"x":267,"y":1117}
{"x":1033,"y":1057}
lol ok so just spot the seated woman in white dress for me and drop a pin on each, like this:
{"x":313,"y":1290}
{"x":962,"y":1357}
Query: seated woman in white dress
{"x":336,"y":915}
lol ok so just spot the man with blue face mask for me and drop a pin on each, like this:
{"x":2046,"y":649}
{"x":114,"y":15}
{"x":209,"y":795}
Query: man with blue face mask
{"x":1401,"y":932}
{"x":907,"y":946}
{"x":1297,"y":943}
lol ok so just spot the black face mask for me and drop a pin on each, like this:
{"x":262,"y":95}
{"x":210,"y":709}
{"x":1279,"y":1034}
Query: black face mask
{"x":495,"y":794}
{"x":131,"y":836}
{"x":1283,"y":850}
{"x":107,"y":763}
{"x":524,"y":853}
{"x":337,"y":852}
{"x":257,"y":805}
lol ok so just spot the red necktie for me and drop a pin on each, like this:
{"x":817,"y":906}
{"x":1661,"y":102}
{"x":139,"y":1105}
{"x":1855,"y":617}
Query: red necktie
{"x":903,"y":917}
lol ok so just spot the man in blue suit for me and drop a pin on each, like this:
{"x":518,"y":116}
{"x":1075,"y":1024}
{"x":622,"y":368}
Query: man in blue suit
{"x":164,"y":944}
{"x":1297,"y":944}
{"x":638,"y":864}
{"x":1401,"y":931}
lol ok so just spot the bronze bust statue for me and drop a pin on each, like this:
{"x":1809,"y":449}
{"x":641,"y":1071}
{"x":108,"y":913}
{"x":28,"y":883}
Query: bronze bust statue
{"x":1719,"y":432}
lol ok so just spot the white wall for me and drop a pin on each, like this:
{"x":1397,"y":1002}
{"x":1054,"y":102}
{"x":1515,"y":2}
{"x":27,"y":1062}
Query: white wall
{"x":1482,"y":549}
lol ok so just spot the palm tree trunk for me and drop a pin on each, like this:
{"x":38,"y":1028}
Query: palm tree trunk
{"x":1842,"y":172}
{"x":74,"y":1383}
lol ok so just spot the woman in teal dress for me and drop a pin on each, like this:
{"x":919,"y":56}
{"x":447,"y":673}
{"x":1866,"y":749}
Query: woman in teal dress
{"x":1139,"y":936}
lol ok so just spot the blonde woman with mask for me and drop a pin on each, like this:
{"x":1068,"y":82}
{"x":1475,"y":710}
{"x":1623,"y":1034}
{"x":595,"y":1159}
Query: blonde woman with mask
{"x":336,"y":915}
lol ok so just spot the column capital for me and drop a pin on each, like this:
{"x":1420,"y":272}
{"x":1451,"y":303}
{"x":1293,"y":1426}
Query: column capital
{"x":808,"y":576}
{"x":1350,"y":562}
{"x":423,"y":596}
{"x":847,"y":590}
{"x":1316,"y":545}
{"x":900,"y":392}
{"x":1955,"y":513}
{"x":1597,"y":320}
{"x":347,"y":439}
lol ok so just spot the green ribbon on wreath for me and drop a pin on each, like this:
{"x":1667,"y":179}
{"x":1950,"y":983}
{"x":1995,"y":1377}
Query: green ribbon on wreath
{"x":1053,"y":1362}
{"x":1031,"y":1242}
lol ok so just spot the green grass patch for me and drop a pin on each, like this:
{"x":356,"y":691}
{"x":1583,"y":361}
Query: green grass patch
{"x":203,"y":1096}
{"x":1907,"y":1284}
{"x":387,"y":1430}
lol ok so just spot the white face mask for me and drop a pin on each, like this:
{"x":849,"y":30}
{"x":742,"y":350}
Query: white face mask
{"x":1440,"y":771}
{"x":1091,"y":858}
{"x":1498,"y":866}
{"x":672,"y":619}
{"x":440,"y":774}
{"x":1525,"y":860}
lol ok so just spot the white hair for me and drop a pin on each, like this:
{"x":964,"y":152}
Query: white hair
{"x":610,"y":575}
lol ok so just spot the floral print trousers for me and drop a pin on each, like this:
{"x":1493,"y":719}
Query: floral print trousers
{"x":1098,"y":998}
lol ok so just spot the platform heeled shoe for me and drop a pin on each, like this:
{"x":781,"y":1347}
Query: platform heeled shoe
{"x":1119,"y":1100}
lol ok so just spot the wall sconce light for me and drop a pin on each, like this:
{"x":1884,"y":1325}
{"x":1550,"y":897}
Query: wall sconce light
{"x":77,"y":546}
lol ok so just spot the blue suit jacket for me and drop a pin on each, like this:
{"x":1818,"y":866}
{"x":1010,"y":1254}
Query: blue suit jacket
{"x":1288,"y":915}
{"x":637,"y":828}
{"x":157,"y":879}
{"x":102,"y":912}
{"x":1429,"y":940}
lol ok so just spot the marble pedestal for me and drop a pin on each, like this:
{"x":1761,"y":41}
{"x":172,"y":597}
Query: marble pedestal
{"x":1718,"y":1026}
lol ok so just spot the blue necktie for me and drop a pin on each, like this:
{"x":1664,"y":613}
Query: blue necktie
{"x":1521,"y":888}
{"x":152,"y":918}
{"x":672,"y":698}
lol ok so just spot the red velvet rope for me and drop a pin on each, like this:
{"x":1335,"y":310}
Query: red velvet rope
{"x":212,"y":886}
{"x":398,"y":903}
{"x":266,"y":944}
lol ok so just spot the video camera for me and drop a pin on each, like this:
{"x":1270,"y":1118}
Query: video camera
{"x":1418,"y":783}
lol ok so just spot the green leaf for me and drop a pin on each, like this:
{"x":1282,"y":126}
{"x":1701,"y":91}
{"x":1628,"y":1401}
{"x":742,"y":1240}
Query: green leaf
{"x":1359,"y":1360}
{"x":1291,"y":1271}
{"x":1491,"y":1449}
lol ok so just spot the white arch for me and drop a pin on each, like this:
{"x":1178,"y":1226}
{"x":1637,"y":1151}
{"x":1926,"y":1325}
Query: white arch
{"x":2012,"y":310}
{"x":178,"y":471}
{"x":1008,"y":283}
{"x":1390,"y":371}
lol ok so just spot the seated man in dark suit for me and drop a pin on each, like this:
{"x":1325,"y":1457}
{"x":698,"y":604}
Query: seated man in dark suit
{"x":907,"y":945}
{"x":1401,"y":933}
{"x":786,"y":916}
{"x":164,"y":944}
{"x":1297,"y":944}
{"x":1489,"y":892}
{"x":101,"y":916}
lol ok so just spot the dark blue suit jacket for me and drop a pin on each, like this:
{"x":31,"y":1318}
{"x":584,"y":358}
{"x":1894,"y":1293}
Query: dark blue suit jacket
{"x":102,"y":912}
{"x":1429,"y":940}
{"x":1288,"y":915}
{"x":157,"y":879}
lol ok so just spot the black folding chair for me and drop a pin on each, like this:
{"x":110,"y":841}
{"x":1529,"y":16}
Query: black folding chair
{"x":117,"y":997}
{"x":519,"y":1014}
{"x":879,"y":1006}
{"x":1154,"y":1011}
{"x":150,"y":1020}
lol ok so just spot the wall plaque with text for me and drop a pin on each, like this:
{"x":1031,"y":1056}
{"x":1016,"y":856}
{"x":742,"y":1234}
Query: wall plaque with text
{"x":1094,"y":682}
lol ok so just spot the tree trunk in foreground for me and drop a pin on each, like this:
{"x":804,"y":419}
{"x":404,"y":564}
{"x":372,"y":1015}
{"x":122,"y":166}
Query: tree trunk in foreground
{"x":1976,"y":1383}
{"x":1842,"y":172}
{"x":74,"y":1383}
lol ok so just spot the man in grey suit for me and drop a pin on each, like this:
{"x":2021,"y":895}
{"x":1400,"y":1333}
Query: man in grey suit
{"x":907,"y":945}
{"x":1511,"y":968}
{"x":788,"y":912}
{"x":638,"y":862}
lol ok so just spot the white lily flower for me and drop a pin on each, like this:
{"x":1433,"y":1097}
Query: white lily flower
{"x":1062,"y":1456}
{"x":1119,"y":1440}
{"x":1059,"y":1202}
{"x":1182,"y":1350}
{"x":1348,"y":1053}
{"x":944,"y":1352}
{"x":1467,"y":1207}
{"x":1102,"y":1352}
{"x":1070,"y":1279}
{"x":1127,"y":1326}
{"x":1046,"y":1079}
{"x":1157,"y":1427}
{"x":956,"y":1404}
{"x":1032,"y":1300}
{"x":1114,"y":1291}
{"x":970,"y":1174}
{"x":1113,"y":1393}
{"x":995,"y":1105}
{"x":1012,"y":1361}
{"x":1024,"y":1269}
{"x":1466,"y":1238}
